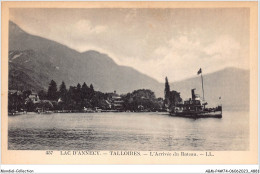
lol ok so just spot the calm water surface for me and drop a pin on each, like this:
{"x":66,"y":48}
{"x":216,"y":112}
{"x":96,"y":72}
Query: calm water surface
{"x":127,"y":131}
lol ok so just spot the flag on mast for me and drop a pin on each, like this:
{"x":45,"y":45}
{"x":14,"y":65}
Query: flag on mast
{"x":200,"y":71}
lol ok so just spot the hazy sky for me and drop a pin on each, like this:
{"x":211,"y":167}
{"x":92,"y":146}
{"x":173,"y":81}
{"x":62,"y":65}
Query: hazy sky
{"x":156,"y":42}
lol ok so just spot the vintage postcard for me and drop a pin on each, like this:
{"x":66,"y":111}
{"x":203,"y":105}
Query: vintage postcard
{"x":129,"y":83}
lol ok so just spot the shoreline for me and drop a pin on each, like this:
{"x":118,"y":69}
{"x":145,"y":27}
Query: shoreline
{"x":76,"y":111}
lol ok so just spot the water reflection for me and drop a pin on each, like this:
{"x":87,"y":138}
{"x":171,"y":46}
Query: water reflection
{"x":127,"y":131}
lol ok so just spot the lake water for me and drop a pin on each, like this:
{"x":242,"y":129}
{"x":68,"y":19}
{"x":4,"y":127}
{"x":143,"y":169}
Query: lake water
{"x":127,"y":131}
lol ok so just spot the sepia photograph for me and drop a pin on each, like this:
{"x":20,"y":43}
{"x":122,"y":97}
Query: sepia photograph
{"x":129,"y":79}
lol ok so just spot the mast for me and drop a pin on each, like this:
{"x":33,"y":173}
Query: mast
{"x":202,"y":85}
{"x":200,"y":72}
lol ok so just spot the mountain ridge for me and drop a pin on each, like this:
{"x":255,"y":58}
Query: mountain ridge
{"x":75,"y":67}
{"x":232,"y":85}
{"x":34,"y":61}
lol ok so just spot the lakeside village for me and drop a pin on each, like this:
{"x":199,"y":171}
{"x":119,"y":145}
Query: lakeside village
{"x":85,"y":99}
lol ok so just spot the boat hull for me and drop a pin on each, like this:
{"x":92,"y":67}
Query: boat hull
{"x":217,"y":114}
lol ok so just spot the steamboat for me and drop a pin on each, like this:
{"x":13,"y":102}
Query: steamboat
{"x":194,"y":107}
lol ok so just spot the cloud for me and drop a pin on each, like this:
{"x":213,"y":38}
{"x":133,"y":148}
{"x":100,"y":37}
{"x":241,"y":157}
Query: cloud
{"x":182,"y":56}
{"x":224,"y":45}
{"x":156,"y":42}
{"x":161,"y":51}
{"x":84,"y":26}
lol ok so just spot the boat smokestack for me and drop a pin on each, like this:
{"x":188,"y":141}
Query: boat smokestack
{"x":193,"y":94}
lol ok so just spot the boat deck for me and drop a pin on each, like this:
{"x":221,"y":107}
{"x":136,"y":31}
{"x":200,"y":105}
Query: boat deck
{"x":216,"y":114}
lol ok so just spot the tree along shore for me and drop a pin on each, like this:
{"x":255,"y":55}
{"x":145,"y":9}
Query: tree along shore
{"x":83,"y":98}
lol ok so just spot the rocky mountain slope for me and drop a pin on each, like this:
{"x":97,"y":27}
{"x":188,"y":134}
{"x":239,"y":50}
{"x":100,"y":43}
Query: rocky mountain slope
{"x":34,"y":61}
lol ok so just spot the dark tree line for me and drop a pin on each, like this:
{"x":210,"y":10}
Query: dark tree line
{"x":171,"y":98}
{"x":18,"y":101}
{"x":15,"y":102}
{"x":142,"y":100}
{"x":74,"y":98}
{"x":81,"y":97}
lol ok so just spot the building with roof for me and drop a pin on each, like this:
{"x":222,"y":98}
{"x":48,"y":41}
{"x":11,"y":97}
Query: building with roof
{"x":34,"y":97}
{"x":116,"y":102}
